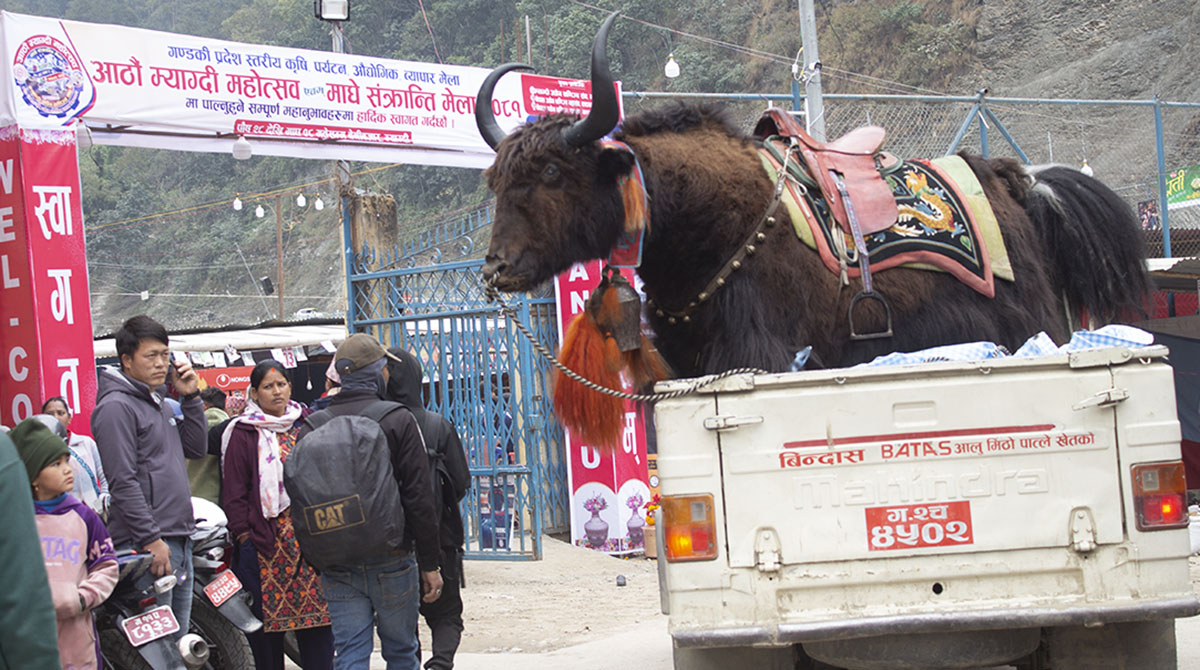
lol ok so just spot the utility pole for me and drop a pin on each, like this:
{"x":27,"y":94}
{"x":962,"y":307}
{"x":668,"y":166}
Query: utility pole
{"x":279,"y":251}
{"x":814,"y":106}
{"x":257,"y":286}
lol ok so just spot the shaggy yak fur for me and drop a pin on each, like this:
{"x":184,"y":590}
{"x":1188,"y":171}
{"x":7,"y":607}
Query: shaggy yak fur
{"x":1068,"y":236}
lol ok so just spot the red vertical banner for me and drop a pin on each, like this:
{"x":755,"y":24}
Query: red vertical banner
{"x":19,"y":374}
{"x":608,"y":487}
{"x":47,"y":319}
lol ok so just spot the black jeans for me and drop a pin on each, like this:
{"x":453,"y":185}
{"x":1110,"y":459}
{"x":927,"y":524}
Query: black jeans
{"x":444,"y":615}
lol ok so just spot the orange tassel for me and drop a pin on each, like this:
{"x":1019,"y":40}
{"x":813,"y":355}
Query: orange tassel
{"x":633,"y":193}
{"x":596,"y":418}
{"x":590,"y":349}
{"x":646,"y":365}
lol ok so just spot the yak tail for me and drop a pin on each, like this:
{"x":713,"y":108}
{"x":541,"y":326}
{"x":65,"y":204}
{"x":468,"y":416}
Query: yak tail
{"x":1093,"y":241}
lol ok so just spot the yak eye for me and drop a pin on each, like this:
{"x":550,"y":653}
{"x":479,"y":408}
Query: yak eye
{"x":550,"y":173}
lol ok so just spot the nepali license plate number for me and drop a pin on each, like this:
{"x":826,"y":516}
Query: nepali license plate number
{"x":150,"y":626}
{"x":916,"y":526}
{"x":222,"y":588}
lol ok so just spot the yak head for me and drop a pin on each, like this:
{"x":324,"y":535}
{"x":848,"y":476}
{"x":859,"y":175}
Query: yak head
{"x":556,"y":187}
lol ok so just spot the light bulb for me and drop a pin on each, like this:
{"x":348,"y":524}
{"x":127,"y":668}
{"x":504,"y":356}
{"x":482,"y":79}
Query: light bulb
{"x":1087,"y":169}
{"x":301,"y":200}
{"x":237,"y":204}
{"x":241,"y":148}
{"x":319,"y":204}
{"x":260,"y":212}
{"x":672,"y":68}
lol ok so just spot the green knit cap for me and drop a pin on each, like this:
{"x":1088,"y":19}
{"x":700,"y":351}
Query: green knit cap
{"x":37,"y":446}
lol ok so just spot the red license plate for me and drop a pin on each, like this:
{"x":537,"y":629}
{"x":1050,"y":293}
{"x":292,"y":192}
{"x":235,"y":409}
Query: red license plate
{"x":222,"y":588}
{"x":915,"y":526}
{"x":150,"y":626}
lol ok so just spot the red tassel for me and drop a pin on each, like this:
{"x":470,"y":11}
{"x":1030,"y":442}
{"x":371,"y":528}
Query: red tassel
{"x":596,"y":418}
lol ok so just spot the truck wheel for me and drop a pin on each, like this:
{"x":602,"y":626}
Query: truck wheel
{"x":228,"y":648}
{"x":723,"y":658}
{"x":1134,"y":645}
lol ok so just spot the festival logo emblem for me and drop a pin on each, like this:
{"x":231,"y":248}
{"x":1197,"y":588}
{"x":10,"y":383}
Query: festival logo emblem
{"x":49,"y":75}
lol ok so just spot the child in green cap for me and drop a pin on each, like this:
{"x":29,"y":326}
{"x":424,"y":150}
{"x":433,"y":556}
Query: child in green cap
{"x":77,"y":548}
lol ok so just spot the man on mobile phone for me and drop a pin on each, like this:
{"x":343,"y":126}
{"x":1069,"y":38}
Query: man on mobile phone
{"x":142,"y":445}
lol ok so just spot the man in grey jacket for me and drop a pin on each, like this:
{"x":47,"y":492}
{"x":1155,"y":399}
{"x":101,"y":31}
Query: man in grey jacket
{"x":143,"y":445}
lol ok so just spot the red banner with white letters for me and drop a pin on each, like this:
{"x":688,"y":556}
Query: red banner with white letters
{"x":608,"y":487}
{"x":46,"y":329}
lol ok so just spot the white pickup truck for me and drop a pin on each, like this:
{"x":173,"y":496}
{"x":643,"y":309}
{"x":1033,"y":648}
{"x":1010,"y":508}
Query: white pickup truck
{"x":944,"y":515}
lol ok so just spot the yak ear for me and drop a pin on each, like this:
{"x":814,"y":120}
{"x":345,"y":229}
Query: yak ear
{"x":615,"y":163}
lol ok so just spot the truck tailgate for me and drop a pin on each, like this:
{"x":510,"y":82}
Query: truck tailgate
{"x":857,"y":466}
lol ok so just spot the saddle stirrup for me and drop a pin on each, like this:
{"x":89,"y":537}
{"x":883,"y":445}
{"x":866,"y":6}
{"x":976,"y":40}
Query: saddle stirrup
{"x":864,"y":267}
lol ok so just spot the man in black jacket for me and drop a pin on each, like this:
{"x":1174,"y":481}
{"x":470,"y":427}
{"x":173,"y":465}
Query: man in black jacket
{"x":383,"y":592}
{"x":451,"y":478}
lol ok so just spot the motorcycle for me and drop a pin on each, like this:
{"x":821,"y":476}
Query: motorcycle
{"x":135,"y":631}
{"x":221,"y":612}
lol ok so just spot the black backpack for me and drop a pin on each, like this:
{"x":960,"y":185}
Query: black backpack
{"x":346,"y":505}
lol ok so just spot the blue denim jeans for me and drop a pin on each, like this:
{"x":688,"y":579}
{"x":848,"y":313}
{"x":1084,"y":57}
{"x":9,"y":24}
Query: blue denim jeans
{"x":387,"y":593}
{"x":180,"y":597}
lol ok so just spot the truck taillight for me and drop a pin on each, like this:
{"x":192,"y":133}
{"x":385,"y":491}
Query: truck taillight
{"x":691,"y":529}
{"x":1159,"y":493}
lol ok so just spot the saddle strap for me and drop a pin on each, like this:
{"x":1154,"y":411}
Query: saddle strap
{"x":860,"y":244}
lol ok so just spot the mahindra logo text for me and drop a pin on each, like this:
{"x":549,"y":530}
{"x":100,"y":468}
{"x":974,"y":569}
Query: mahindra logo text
{"x":819,"y":491}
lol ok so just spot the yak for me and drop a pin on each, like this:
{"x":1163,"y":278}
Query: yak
{"x":1075,"y":246}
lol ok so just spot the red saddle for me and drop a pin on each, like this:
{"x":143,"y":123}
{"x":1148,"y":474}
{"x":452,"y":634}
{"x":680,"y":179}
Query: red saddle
{"x":853,"y":157}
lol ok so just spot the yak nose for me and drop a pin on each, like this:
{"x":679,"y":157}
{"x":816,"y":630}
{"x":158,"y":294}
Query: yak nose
{"x":494,"y":266}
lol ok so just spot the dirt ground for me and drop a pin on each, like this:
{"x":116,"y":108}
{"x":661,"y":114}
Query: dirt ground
{"x":567,"y":598}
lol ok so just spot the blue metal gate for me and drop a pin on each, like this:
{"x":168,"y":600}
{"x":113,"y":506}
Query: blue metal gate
{"x":483,"y":375}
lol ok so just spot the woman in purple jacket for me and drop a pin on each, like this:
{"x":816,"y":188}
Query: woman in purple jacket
{"x":286,"y":589}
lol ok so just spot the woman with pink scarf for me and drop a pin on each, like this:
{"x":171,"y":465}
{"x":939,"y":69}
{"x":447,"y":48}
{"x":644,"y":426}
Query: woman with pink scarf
{"x":285,"y":587}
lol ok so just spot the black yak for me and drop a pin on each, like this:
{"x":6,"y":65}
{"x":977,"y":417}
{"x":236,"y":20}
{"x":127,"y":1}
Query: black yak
{"x":1074,"y":245}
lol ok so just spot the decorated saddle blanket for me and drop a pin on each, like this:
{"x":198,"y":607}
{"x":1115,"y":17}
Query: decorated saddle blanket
{"x":945,"y":222}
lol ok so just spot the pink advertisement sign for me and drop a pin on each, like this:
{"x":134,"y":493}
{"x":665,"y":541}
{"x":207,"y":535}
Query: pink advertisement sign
{"x":608,"y":487}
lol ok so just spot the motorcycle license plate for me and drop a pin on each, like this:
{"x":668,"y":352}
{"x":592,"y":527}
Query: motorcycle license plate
{"x":150,"y":626}
{"x":222,"y":588}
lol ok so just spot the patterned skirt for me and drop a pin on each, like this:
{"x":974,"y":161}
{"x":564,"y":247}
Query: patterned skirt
{"x":291,"y":589}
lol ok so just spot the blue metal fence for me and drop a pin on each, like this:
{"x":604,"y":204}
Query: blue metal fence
{"x":484,"y":376}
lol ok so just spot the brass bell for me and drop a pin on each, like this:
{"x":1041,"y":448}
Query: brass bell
{"x":626,"y":325}
{"x":628,"y":332}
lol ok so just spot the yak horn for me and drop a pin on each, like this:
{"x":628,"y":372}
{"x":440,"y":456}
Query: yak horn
{"x":485,"y":119}
{"x":605,"y":108}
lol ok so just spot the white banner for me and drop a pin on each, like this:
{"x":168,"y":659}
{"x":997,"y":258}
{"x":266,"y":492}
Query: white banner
{"x":188,"y":93}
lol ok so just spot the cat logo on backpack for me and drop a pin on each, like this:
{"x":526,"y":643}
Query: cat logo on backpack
{"x":334,"y":515}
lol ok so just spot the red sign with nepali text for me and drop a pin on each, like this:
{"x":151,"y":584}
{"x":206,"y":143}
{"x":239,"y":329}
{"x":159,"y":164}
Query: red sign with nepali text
{"x":46,"y":328}
{"x":609,"y":488}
